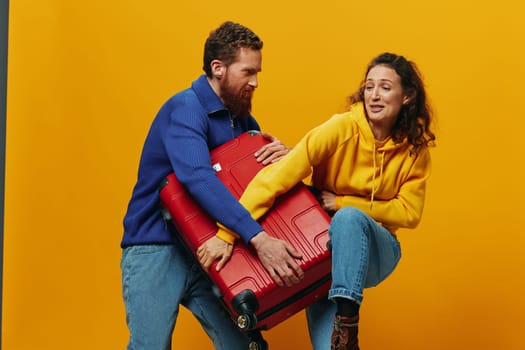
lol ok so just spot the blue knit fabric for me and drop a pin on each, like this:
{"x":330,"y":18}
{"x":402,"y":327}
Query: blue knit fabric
{"x":186,"y":128}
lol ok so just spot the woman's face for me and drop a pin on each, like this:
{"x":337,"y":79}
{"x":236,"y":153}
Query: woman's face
{"x":383,"y":96}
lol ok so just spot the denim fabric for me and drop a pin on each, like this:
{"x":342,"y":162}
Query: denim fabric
{"x":155,"y":280}
{"x":320,"y":317}
{"x":364,"y":253}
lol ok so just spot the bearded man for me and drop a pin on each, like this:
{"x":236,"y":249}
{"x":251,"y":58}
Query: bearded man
{"x":158,"y":275}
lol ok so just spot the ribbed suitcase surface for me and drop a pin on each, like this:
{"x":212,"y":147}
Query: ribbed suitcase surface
{"x":247,"y":290}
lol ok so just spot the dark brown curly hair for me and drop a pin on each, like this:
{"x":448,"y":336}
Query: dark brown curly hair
{"x":224,"y":43}
{"x":415,"y":118}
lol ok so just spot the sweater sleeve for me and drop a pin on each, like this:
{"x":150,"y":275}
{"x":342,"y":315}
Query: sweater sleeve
{"x":406,"y":208}
{"x":188,"y":131}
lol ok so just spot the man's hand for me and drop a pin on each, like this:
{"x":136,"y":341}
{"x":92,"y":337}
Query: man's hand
{"x":277,"y":256}
{"x":213,"y":249}
{"x":271,"y":152}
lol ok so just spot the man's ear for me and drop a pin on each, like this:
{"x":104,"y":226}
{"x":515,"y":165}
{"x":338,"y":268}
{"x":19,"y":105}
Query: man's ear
{"x":217,"y":69}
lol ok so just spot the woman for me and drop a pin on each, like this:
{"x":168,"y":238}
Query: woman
{"x":370,"y":166}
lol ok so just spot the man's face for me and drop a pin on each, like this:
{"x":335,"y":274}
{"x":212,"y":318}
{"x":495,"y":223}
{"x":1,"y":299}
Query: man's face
{"x":240,"y":80}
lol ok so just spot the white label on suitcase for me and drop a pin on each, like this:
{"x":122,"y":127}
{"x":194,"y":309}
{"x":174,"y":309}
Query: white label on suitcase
{"x":217,"y":167}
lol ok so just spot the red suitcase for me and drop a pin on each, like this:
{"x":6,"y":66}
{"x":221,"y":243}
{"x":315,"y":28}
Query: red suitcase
{"x":243,"y":284}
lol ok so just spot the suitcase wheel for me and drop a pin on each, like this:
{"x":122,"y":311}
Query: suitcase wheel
{"x":258,"y":346}
{"x":245,"y":303}
{"x":257,"y":342}
{"x":246,"y":321}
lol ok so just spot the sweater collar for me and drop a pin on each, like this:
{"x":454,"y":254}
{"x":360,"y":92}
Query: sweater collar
{"x":207,"y":97}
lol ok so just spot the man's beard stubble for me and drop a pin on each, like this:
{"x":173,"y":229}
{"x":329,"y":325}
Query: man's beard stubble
{"x":240,"y":106}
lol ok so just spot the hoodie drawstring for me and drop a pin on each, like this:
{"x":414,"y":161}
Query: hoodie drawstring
{"x":374,"y":188}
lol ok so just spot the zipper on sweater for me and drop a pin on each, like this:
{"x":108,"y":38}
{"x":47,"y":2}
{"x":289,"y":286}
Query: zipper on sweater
{"x":232,"y":123}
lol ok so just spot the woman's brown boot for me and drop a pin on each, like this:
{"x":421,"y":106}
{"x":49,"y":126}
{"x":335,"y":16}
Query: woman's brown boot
{"x":344,"y":335}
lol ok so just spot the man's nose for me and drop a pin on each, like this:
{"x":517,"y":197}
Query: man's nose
{"x":254,"y":82}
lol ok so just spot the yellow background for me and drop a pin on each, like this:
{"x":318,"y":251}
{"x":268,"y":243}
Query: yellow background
{"x":86,"y":78}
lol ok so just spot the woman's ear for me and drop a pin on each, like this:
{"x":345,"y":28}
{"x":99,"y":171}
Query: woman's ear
{"x":409,"y":97}
{"x":217,"y":69}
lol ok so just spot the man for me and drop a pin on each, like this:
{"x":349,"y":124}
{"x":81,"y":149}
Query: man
{"x":158,"y":274}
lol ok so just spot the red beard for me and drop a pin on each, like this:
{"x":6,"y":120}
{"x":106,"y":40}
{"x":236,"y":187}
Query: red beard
{"x":239,"y":103}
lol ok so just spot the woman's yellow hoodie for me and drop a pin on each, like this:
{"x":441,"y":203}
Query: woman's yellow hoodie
{"x":381,"y":178}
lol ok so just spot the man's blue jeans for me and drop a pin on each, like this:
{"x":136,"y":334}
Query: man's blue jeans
{"x":364,"y":253}
{"x":156,"y":279}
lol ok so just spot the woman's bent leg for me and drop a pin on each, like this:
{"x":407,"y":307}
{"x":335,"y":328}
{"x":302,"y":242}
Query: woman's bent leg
{"x":364,"y":253}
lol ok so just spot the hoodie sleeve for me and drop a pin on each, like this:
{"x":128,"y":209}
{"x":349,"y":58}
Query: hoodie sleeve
{"x":280,"y":177}
{"x":406,"y":208}
{"x":268,"y":184}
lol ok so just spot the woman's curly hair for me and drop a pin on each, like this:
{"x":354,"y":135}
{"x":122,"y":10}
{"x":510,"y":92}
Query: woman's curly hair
{"x":416,"y":117}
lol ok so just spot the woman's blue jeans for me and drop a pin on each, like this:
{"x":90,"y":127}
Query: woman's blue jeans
{"x":364,"y":253}
{"x":156,"y":279}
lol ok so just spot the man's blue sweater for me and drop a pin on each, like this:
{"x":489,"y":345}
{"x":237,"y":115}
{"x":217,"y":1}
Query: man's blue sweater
{"x":186,"y":128}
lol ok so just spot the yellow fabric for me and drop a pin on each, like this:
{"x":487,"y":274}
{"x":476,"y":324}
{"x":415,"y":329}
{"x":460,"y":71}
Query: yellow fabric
{"x":226,"y":234}
{"x":343,"y":157}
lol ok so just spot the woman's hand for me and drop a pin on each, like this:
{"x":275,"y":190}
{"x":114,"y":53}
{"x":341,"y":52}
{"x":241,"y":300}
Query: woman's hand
{"x":213,"y":249}
{"x":271,"y":152}
{"x":327,"y":200}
